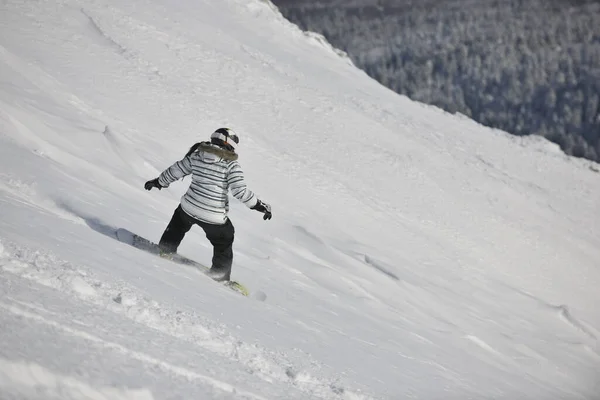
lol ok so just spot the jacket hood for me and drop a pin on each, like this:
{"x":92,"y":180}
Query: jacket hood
{"x":213,"y":150}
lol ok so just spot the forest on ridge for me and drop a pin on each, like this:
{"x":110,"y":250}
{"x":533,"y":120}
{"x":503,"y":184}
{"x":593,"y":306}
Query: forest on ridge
{"x":523,"y":66}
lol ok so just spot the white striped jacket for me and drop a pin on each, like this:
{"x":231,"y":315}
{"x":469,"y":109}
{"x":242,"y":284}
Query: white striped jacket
{"x":214,"y":171}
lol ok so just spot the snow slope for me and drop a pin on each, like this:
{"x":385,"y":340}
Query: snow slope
{"x":412,"y":254}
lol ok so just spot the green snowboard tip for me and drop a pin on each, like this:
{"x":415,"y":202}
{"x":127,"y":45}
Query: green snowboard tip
{"x":238,"y":287}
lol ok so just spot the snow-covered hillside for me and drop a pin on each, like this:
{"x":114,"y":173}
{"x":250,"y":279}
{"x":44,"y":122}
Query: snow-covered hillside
{"x":412,"y":254}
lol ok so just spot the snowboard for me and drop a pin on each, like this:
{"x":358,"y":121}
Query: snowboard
{"x":139,"y":242}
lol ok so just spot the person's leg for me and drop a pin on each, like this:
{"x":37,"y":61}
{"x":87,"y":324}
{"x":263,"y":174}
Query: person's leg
{"x":179,"y":225}
{"x":221,"y":237}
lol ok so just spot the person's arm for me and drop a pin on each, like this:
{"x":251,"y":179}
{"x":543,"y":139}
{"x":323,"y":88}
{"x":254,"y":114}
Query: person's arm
{"x":174,"y":172}
{"x":237,"y":185}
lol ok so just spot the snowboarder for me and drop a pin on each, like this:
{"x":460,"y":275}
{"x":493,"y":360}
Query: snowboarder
{"x":215,"y":170}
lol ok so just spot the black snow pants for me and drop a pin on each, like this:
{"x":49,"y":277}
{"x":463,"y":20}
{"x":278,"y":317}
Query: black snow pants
{"x":220,"y":236}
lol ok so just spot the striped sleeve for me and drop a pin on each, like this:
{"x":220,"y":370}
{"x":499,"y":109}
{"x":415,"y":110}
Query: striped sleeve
{"x":175,"y":172}
{"x":237,"y":185}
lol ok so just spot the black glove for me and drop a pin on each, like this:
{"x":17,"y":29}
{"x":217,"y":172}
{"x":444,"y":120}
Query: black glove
{"x":263,"y":208}
{"x":151,"y":184}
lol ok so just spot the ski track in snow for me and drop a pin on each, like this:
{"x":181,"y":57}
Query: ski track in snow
{"x":44,"y":268}
{"x":220,"y":385}
{"x":27,"y":194}
{"x":565,"y":315}
{"x":28,"y":380}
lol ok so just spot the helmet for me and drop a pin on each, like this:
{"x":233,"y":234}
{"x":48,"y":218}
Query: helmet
{"x":225,"y":137}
